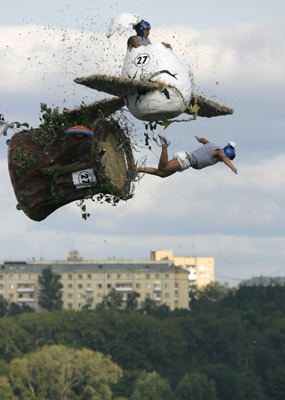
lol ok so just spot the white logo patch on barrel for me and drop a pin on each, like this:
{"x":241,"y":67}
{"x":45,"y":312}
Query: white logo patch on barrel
{"x":84,"y":178}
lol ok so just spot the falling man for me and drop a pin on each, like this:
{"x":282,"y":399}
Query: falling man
{"x":205,"y":156}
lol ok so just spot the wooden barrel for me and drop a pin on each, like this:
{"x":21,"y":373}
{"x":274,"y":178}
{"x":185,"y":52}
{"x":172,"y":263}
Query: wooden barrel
{"x":48,"y":176}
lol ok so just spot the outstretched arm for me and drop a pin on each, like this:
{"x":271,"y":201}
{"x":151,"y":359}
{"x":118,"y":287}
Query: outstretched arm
{"x":225,"y":159}
{"x":202,"y":140}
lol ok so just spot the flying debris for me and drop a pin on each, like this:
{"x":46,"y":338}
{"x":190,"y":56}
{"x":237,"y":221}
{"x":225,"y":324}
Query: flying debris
{"x":48,"y":172}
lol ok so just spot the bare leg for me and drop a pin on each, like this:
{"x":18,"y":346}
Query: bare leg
{"x":165,"y":167}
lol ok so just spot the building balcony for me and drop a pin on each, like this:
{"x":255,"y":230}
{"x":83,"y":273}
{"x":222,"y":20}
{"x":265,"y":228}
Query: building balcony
{"x":89,"y":289}
{"x":125,"y":287}
{"x":157,"y":288}
{"x":26,"y":289}
{"x":25,"y":300}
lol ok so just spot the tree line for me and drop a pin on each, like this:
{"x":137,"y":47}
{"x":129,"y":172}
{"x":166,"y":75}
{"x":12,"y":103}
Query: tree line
{"x":229,"y":345}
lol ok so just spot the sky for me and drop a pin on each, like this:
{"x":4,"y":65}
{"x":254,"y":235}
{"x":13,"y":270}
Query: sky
{"x":235,"y":51}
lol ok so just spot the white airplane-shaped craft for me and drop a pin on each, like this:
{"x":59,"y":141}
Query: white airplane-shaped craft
{"x":155,"y":86}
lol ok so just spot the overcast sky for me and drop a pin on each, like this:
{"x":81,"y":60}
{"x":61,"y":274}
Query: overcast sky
{"x":236,"y":53}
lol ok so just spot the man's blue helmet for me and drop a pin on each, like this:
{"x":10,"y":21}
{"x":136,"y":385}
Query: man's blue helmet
{"x":229,"y":152}
{"x":140,"y":27}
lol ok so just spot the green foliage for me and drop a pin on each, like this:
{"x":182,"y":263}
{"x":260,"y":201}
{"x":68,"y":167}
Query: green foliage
{"x":196,"y":387}
{"x":22,"y":159}
{"x":111,"y":300}
{"x":6,"y":392}
{"x":50,"y":296}
{"x":58,"y":372}
{"x":52,"y":175}
{"x":275,"y":383}
{"x":132,"y":303}
{"x":263,"y":299}
{"x":125,"y":386}
{"x":11,"y":309}
{"x":150,"y":386}
{"x":241,"y":351}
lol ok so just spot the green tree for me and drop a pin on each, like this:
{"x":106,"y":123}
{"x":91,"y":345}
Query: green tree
{"x":11,"y":309}
{"x":58,"y":372}
{"x":50,"y":296}
{"x":132,"y":303}
{"x":6,"y":392}
{"x":227,"y":382}
{"x":151,"y":386}
{"x":112,"y":300}
{"x":275,"y":383}
{"x":196,"y":387}
{"x":4,"y":307}
{"x":148,"y":306}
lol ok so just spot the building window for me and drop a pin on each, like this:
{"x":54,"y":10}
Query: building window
{"x":109,"y":286}
{"x":69,"y":286}
{"x":60,"y":276}
{"x":89,"y":276}
{"x":138,"y":285}
{"x":70,"y":305}
{"x":69,"y":276}
{"x":138,"y":276}
{"x":21,"y":277}
{"x":157,"y":276}
{"x":79,"y":276}
{"x":80,"y":295}
{"x":166,"y":276}
{"x":147,"y":295}
{"x":99,"y":286}
{"x":80,"y":286}
{"x":70,"y":295}
{"x":11,"y":296}
{"x":119,"y":276}
{"x":128,"y":276}
{"x":1,"y":286}
{"x":79,"y":305}
{"x":147,"y":285}
{"x":201,"y":268}
{"x":11,"y":276}
{"x":167,"y":295}
{"x":99,"y":276}
{"x":109,"y":276}
{"x":99,"y":295}
{"x":31,"y":277}
{"x":89,"y":286}
{"x":167,"y":286}
{"x":1,"y":276}
{"x":11,"y":286}
{"x":147,"y":276}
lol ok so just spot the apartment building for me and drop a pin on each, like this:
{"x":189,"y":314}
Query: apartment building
{"x":86,"y":282}
{"x":200,"y":269}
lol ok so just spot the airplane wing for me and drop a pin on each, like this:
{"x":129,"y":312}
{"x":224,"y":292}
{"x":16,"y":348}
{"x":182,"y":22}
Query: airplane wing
{"x":122,"y":87}
{"x":104,"y":107}
{"x":208,"y":108}
{"x":117,"y":86}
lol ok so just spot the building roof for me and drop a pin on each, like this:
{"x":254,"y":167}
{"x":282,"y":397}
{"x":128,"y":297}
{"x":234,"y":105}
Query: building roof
{"x":95,"y":266}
